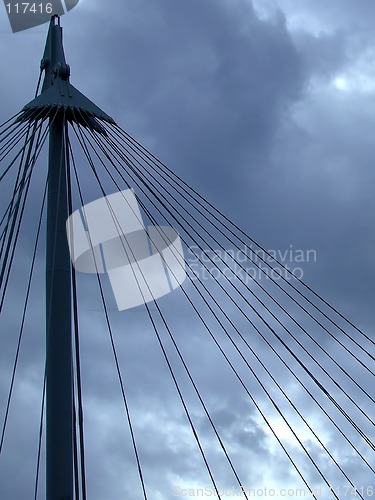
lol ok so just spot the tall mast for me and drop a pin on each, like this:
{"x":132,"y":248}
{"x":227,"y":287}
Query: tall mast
{"x":59,"y":102}
{"x":59,"y":403}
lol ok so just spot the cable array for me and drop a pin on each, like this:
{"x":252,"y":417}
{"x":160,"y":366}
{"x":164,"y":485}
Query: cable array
{"x":12,"y":222}
{"x":260,"y":324}
{"x":114,"y":157}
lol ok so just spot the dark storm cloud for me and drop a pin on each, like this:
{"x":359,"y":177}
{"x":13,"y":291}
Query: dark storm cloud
{"x":215,"y":79}
{"x":243,"y":108}
{"x":219,"y":89}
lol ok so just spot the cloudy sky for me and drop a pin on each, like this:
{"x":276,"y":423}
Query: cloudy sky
{"x":267,"y":109}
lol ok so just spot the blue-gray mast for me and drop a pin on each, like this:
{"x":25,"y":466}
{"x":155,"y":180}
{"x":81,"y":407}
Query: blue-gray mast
{"x":60,"y":103}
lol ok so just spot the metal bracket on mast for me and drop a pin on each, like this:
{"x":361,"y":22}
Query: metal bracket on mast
{"x":57,"y":91}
